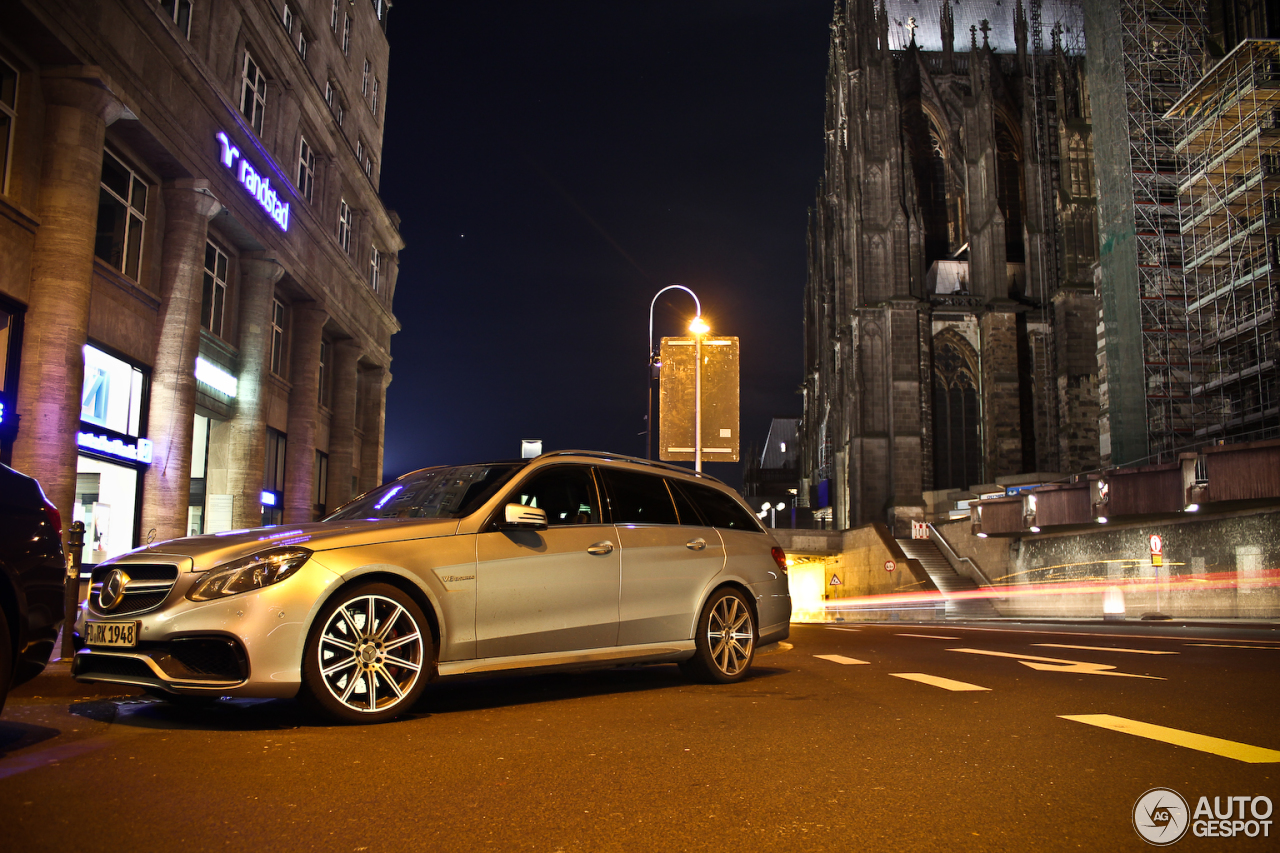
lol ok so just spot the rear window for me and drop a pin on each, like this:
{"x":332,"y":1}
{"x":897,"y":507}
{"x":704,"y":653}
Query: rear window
{"x":637,"y":498}
{"x":719,"y":509}
{"x":432,"y":493}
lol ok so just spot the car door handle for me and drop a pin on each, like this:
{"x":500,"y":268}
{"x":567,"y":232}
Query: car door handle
{"x":696,"y":544}
{"x":601,"y":548}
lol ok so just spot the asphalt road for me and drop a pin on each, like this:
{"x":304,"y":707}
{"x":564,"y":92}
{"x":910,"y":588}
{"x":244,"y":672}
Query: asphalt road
{"x":846,"y":741}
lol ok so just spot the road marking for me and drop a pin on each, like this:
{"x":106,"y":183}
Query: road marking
{"x":1224,"y":646}
{"x":927,"y":636}
{"x":938,"y":681}
{"x":1177,"y":737}
{"x":1104,"y":649}
{"x":835,"y":628}
{"x":1090,"y":634}
{"x":1058,"y":665}
{"x":840,"y":659}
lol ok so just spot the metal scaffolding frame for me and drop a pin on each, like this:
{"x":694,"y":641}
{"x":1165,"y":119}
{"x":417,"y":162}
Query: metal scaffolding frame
{"x":1231,"y":234}
{"x":1162,"y":52}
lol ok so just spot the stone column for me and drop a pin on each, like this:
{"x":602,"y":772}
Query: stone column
{"x":1001,"y":391}
{"x":373,"y":421}
{"x":304,"y":407}
{"x":78,"y":106}
{"x":188,"y":206}
{"x":342,"y":426}
{"x":248,"y":427}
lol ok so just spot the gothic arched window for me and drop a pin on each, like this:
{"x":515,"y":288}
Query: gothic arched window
{"x":957,"y":425}
{"x":1009,"y":191}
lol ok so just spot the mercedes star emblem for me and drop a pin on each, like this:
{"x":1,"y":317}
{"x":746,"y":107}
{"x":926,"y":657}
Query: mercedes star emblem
{"x":113,"y":590}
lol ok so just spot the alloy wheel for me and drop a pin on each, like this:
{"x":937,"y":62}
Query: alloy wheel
{"x":371,"y":653}
{"x":730,"y":635}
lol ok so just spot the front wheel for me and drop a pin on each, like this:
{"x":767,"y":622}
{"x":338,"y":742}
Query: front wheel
{"x":367,"y":655}
{"x":725,"y":640}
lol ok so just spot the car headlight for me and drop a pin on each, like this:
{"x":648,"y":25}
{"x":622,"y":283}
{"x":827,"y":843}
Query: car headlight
{"x":250,"y":573}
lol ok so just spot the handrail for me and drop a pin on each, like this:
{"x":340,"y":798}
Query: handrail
{"x":953,"y":557}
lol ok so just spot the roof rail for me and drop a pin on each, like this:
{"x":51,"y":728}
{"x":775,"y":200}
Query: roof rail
{"x":600,"y":454}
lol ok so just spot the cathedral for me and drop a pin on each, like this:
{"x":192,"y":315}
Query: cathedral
{"x":950,"y":307}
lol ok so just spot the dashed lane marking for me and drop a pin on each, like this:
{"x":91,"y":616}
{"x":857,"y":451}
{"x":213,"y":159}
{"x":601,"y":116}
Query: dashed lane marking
{"x":834,"y":628}
{"x":927,"y":636}
{"x":840,"y":659}
{"x":1225,"y":646}
{"x":1177,"y":737}
{"x":1104,"y":649}
{"x":938,"y":681}
{"x":1058,"y":665}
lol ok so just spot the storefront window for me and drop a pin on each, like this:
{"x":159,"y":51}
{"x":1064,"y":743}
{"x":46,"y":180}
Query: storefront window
{"x":10,"y":347}
{"x":112,"y":454}
{"x":199,"y":469}
{"x":273,"y":479}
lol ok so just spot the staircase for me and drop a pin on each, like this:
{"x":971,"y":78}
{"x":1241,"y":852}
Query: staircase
{"x":948,"y":581}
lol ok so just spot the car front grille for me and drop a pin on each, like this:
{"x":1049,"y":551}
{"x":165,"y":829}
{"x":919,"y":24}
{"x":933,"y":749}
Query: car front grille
{"x":148,"y":586}
{"x":89,"y":665}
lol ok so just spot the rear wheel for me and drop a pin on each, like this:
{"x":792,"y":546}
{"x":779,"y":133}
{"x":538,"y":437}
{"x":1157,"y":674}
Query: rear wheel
{"x":366,"y":657}
{"x":725,"y":640}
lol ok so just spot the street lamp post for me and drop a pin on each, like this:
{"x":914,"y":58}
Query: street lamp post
{"x":653,"y":361}
{"x":699,"y":328}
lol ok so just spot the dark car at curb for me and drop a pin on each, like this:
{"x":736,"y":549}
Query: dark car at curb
{"x":31,"y":579}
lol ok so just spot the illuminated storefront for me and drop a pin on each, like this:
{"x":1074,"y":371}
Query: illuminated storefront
{"x":112,"y":454}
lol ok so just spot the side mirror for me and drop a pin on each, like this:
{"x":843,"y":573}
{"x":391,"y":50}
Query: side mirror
{"x":518,"y":515}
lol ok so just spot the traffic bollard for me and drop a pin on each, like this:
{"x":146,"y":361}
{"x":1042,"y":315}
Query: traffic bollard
{"x":71,"y":597}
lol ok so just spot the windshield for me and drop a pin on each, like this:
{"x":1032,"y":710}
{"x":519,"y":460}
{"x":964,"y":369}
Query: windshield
{"x":431,"y":493}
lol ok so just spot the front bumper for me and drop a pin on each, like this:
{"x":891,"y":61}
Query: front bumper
{"x":244,"y":645}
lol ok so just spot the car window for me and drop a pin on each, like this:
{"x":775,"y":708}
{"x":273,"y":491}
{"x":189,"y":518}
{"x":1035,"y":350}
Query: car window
{"x":431,"y":493}
{"x":719,"y":509}
{"x":688,"y":513}
{"x":566,"y":492}
{"x":637,"y":498}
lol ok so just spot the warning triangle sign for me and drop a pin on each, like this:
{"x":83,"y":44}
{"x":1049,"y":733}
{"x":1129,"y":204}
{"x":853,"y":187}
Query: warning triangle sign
{"x":835,"y":581}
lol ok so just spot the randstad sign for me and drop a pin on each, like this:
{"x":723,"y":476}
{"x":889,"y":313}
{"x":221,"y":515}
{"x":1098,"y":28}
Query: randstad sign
{"x":258,"y":186}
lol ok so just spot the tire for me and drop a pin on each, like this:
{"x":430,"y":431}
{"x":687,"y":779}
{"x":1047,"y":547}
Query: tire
{"x":6,"y":658}
{"x":718,"y":658}
{"x":367,"y":656}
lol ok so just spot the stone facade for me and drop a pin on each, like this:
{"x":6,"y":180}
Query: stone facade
{"x":951,"y":249}
{"x":197,"y":269}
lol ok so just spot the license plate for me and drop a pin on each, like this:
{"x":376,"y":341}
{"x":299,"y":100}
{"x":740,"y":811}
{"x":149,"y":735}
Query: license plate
{"x":111,"y":633}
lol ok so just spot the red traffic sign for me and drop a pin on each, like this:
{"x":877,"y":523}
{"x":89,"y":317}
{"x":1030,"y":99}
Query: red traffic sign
{"x":1157,"y":544}
{"x":890,"y":565}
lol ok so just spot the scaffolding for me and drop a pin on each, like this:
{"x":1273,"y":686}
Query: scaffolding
{"x":1231,"y":235}
{"x":1160,"y":40}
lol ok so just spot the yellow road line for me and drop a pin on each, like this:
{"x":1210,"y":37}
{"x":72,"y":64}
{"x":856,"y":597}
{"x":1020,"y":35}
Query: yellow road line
{"x":1177,"y":737}
{"x":927,"y":636}
{"x":840,"y":659}
{"x":938,"y":681}
{"x":1103,"y":649}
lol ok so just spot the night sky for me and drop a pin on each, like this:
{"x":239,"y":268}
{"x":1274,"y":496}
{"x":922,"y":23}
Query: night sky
{"x":555,"y":164}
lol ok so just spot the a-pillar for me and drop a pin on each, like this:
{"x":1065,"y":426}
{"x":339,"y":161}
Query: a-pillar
{"x":373,"y":421}
{"x":188,"y":206}
{"x":78,"y":107}
{"x":248,"y":427}
{"x":304,"y":405}
{"x":342,"y":427}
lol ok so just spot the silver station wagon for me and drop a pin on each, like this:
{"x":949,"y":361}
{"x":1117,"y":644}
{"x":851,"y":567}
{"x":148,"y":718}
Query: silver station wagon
{"x":571,"y":560}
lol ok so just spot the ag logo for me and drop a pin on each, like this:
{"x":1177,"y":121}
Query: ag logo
{"x":1160,"y":816}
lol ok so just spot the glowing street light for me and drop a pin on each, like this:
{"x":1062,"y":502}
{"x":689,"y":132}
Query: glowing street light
{"x":654,"y":363}
{"x":699,"y":328}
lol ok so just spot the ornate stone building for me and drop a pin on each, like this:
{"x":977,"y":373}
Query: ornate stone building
{"x":949,"y":311}
{"x":196,"y":271}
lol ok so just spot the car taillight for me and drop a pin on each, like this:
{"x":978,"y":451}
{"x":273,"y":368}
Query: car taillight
{"x":779,"y":557}
{"x":55,"y":517}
